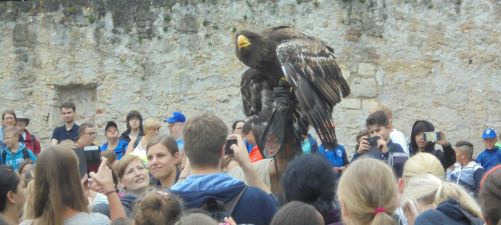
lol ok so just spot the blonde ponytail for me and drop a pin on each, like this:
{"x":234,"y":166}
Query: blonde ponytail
{"x":382,"y":218}
{"x":368,"y":191}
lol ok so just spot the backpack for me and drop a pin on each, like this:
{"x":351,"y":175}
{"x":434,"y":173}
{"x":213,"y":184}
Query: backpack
{"x":26,"y":155}
{"x":218,"y":210}
{"x":396,"y":161}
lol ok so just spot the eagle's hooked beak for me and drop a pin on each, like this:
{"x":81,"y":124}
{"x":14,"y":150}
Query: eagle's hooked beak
{"x":243,"y":42}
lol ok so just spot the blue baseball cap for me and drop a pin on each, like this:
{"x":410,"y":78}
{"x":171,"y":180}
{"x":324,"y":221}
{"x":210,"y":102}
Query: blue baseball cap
{"x":177,"y":117}
{"x":489,"y":133}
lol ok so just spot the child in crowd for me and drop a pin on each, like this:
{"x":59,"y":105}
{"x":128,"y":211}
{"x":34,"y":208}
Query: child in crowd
{"x":15,"y":152}
{"x":491,"y":156}
{"x":435,"y":200}
{"x":379,"y":128}
{"x":367,"y":193}
{"x":11,"y":195}
{"x":446,"y":155}
{"x":337,"y":158}
{"x":297,"y":213}
{"x":465,"y":171}
{"x":490,"y":196}
{"x":159,"y":208}
{"x":310,"y":179}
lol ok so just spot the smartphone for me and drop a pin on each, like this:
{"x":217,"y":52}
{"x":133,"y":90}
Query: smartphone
{"x":373,"y":141}
{"x":227,"y":147}
{"x":431,"y":136}
{"x":92,"y":158}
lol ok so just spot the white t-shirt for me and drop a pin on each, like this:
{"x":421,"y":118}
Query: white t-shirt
{"x":398,"y":137}
{"x":140,"y":152}
{"x":82,"y":218}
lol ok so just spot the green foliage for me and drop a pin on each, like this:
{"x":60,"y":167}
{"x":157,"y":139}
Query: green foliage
{"x":71,"y":10}
{"x":167,"y":18}
{"x":205,"y":23}
{"x":91,"y":18}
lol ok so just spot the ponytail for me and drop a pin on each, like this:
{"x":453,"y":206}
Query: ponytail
{"x":368,"y":191}
{"x":382,"y":218}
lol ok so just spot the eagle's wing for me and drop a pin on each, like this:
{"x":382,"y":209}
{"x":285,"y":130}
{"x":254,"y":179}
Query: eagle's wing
{"x":256,"y":95}
{"x":310,"y":67}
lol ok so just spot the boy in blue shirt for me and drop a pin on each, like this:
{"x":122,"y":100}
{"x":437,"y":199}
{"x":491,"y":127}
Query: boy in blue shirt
{"x":337,"y":157}
{"x":14,"y":153}
{"x":491,"y":156}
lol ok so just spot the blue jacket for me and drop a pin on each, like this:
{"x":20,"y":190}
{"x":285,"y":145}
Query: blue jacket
{"x":448,"y":212}
{"x":489,"y":158}
{"x":119,"y":150}
{"x":254,"y":207}
{"x":337,"y":157}
{"x":14,"y":160}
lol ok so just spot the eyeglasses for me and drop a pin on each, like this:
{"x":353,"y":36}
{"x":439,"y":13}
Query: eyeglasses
{"x":9,"y":118}
{"x":92,"y":133}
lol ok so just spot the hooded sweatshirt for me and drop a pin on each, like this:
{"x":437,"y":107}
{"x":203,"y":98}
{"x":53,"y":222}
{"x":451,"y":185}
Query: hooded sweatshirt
{"x":254,"y":207}
{"x":447,"y":157}
{"x":15,"y":159}
{"x":448,"y":212}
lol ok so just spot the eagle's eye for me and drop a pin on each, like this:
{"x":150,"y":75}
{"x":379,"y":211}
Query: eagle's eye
{"x":243,"y":41}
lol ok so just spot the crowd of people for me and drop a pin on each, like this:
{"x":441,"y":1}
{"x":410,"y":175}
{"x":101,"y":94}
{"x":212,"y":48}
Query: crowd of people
{"x":204,"y":173}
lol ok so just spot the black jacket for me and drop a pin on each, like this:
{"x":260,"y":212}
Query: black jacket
{"x":447,"y":157}
{"x":447,"y":213}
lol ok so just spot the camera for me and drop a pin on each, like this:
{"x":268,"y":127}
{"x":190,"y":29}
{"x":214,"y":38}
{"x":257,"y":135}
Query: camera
{"x":227,"y":147}
{"x":373,"y":141}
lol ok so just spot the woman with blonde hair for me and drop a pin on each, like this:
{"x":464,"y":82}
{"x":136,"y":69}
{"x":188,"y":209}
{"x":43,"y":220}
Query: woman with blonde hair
{"x":58,"y":194}
{"x":434,"y":200}
{"x":367,"y":193}
{"x":133,"y":181}
{"x":421,"y":163}
{"x":151,"y":129}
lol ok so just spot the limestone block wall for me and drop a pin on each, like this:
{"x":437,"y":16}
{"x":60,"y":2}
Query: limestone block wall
{"x":426,"y":59}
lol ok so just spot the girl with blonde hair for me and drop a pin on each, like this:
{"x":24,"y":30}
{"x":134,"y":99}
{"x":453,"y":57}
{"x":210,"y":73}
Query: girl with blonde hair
{"x":433,"y":200}
{"x":367,"y":193}
{"x":151,"y":129}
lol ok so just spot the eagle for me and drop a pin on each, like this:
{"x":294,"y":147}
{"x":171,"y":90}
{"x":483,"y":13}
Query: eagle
{"x":306,"y":66}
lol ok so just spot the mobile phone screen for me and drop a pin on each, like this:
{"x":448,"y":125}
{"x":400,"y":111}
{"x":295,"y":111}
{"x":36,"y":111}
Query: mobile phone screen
{"x":430,"y":136}
{"x":227,"y":147}
{"x":92,"y":158}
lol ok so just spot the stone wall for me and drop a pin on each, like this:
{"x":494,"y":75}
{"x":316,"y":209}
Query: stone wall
{"x":426,"y":59}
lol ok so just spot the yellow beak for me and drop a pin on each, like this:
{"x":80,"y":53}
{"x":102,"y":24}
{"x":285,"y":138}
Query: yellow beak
{"x":243,"y":41}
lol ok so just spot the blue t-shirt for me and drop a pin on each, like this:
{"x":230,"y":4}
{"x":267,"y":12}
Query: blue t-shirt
{"x":14,"y":160}
{"x":119,"y":150}
{"x":61,"y":134}
{"x":336,"y":156}
{"x":180,"y":144}
{"x":489,"y":158}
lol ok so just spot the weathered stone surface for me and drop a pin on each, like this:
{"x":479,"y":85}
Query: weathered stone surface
{"x":434,"y":60}
{"x":363,"y":87}
{"x":367,"y":69}
{"x":350,"y":103}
